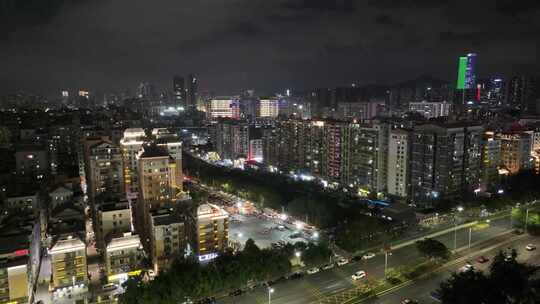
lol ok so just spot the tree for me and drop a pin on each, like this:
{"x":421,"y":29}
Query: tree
{"x":432,"y":249}
{"x":508,"y":282}
{"x":316,"y":254}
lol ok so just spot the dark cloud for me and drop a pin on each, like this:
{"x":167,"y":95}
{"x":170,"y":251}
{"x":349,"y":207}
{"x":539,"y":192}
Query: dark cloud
{"x":387,"y":20}
{"x":320,"y":5}
{"x":266,"y":45}
{"x":515,"y":8}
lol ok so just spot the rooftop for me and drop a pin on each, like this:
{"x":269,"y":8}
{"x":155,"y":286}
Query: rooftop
{"x":68,"y":244}
{"x":165,"y":218}
{"x":124,"y":241}
{"x":153,"y":150}
{"x":211,"y":211}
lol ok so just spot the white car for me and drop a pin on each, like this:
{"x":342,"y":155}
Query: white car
{"x":313,"y":270}
{"x":328,"y":266}
{"x":530,"y":247}
{"x":342,"y":261}
{"x":368,"y":256}
{"x":359,"y":275}
{"x":467,"y":267}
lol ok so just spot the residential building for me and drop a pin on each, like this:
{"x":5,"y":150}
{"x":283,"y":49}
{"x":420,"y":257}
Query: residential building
{"x":172,"y":143}
{"x":68,"y":263}
{"x":223,"y":107}
{"x":32,"y":162}
{"x":131,"y":144}
{"x":431,"y":109}
{"x":15,"y":278}
{"x":491,"y":161}
{"x":516,"y":150}
{"x":168,"y":238}
{"x":59,"y":196}
{"x":157,"y":184}
{"x":446,"y":161}
{"x":210,"y":235}
{"x":105,"y":170}
{"x":123,"y":256}
{"x":269,"y":107}
{"x":113,"y":218}
{"x":399,"y":154}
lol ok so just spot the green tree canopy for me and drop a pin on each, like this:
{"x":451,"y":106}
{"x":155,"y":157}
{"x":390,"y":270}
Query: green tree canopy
{"x":508,"y":281}
{"x":432,"y":249}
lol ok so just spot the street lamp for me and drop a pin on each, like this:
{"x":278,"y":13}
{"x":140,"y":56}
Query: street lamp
{"x":315,"y":235}
{"x":270,"y":291}
{"x":297,"y":254}
{"x":459,"y":209}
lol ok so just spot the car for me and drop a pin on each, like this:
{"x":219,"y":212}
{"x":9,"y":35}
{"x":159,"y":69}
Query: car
{"x":467,"y":267}
{"x":530,"y":247}
{"x":211,"y":300}
{"x":296,"y":275}
{"x":408,"y":301}
{"x":435,"y":295}
{"x":109,"y":287}
{"x":328,"y":266}
{"x":482,"y":259}
{"x":342,"y":261}
{"x":368,"y":256}
{"x":235,"y":293}
{"x":313,"y":270}
{"x":356,"y":258}
{"x":359,"y":275}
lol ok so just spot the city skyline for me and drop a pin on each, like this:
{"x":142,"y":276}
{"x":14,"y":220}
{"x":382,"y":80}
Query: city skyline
{"x":264,"y":46}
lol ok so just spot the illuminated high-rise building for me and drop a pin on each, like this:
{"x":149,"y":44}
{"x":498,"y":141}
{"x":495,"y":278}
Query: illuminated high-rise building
{"x":193,"y":87}
{"x":466,"y":80}
{"x":524,"y":93}
{"x":467,"y":72}
{"x":445,"y":160}
{"x":179,"y":91}
{"x":131,"y":144}
{"x":223,"y":107}
{"x":210,"y":231}
{"x":105,"y":170}
{"x":269,"y":107}
{"x":157,"y":184}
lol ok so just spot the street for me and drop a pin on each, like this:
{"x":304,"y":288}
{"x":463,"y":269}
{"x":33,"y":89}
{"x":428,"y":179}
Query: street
{"x":328,"y":286}
{"x":420,"y":289}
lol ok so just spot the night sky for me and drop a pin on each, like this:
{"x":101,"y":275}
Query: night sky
{"x":262,"y":44}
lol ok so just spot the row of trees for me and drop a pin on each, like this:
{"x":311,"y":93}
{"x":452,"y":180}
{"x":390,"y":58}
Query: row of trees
{"x":508,"y":281}
{"x":189,"y":279}
{"x":322,"y":208}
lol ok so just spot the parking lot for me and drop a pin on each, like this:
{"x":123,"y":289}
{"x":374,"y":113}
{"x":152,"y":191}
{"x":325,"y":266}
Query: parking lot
{"x":264,"y":230}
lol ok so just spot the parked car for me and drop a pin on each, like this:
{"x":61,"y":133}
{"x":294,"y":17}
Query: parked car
{"x":359,"y":275}
{"x":467,"y":267}
{"x":342,"y":261}
{"x":530,"y":247}
{"x":482,"y":259}
{"x":296,"y":275}
{"x":109,"y":287}
{"x":368,"y":256}
{"x":356,"y":258}
{"x":435,"y":295}
{"x":235,"y":293}
{"x":313,"y":270}
{"x":328,"y":266}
